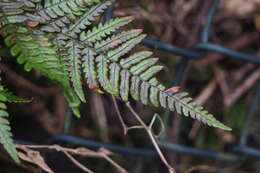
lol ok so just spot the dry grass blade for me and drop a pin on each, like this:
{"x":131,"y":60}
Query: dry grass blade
{"x":125,"y":128}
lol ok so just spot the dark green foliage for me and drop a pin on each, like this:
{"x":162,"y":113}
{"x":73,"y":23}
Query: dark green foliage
{"x":5,"y":133}
{"x":64,"y":40}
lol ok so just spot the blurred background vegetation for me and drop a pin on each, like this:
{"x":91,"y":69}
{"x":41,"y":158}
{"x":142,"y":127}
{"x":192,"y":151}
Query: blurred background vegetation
{"x":224,"y":86}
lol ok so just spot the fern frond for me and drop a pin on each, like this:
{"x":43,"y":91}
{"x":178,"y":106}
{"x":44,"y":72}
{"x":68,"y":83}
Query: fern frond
{"x":37,"y":52}
{"x":149,"y":94}
{"x":5,"y":134}
{"x":143,"y":90}
{"x":98,"y":51}
{"x":5,"y":129}
{"x":130,"y":82}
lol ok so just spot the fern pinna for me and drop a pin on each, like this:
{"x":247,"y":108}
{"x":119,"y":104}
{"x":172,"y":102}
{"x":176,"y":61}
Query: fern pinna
{"x":64,"y":40}
{"x":5,"y":134}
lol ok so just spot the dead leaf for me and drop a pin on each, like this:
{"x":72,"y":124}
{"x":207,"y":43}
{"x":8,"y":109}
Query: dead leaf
{"x":34,"y":157}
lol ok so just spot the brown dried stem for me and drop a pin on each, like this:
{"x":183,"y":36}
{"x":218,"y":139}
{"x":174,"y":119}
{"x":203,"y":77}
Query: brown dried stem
{"x":149,"y":131}
{"x":101,"y":153}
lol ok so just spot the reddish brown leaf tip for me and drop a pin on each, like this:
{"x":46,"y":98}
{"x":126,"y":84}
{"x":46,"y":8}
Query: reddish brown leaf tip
{"x":138,"y":30}
{"x":174,"y":89}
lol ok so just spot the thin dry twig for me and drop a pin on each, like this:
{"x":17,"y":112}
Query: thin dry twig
{"x":231,"y":97}
{"x":161,"y":122}
{"x":101,"y":153}
{"x":77,"y":163}
{"x":221,"y":78}
{"x":104,"y":153}
{"x":26,"y":167}
{"x":125,"y":128}
{"x":101,"y":118}
{"x":152,"y":137}
{"x":240,"y":73}
{"x":243,"y":88}
{"x":148,"y":129}
{"x":33,"y":157}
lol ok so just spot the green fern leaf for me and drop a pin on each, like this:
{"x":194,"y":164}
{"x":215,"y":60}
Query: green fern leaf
{"x":11,"y":12}
{"x":115,"y":40}
{"x":5,"y":134}
{"x":86,"y":19}
{"x":37,"y":52}
{"x":151,"y":72}
{"x":89,"y":68}
{"x":9,"y":97}
{"x":124,"y":48}
{"x":153,"y":81}
{"x":134,"y":59}
{"x":141,"y":90}
{"x":143,"y":65}
{"x":103,"y":30}
{"x":135,"y":75}
{"x":124,"y":84}
{"x":102,"y":68}
{"x":75,"y":72}
{"x":114,"y":73}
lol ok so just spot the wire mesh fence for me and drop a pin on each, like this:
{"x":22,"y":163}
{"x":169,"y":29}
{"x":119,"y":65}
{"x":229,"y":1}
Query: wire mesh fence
{"x":192,"y":53}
